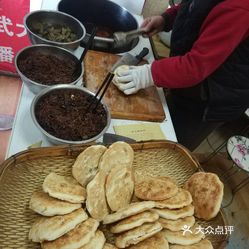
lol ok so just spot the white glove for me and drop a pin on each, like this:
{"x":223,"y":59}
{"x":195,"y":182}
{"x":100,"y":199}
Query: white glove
{"x":133,"y":78}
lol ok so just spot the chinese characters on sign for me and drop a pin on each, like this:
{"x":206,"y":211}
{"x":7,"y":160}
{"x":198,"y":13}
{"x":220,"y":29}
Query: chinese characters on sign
{"x":219,"y":230}
{"x":6,"y":27}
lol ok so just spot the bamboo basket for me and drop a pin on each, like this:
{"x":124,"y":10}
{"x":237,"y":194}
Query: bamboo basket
{"x":24,"y":173}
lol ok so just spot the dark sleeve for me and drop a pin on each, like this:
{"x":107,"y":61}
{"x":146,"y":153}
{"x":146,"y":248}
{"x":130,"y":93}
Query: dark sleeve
{"x":169,"y":16}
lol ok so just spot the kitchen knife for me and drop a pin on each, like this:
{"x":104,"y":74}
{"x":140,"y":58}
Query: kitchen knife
{"x":131,"y":60}
{"x":109,"y":138}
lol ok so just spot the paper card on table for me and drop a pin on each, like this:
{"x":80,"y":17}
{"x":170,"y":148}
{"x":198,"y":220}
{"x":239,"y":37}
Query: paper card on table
{"x":140,"y":132}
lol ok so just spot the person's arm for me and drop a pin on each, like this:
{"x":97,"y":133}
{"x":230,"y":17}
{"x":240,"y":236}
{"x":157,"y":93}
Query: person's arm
{"x":222,"y":31}
{"x":169,"y":17}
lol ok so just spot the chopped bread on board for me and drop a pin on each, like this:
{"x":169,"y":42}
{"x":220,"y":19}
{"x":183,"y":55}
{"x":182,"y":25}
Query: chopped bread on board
{"x":86,"y":164}
{"x":76,"y":238}
{"x":181,"y":199}
{"x":174,"y":214}
{"x":137,"y":235}
{"x":119,"y":187}
{"x":177,"y":225}
{"x":132,"y":209}
{"x":64,"y":188}
{"x":157,"y":241}
{"x":185,"y":237}
{"x":51,"y":228}
{"x":207,"y":193}
{"x":156,"y":188}
{"x":134,"y":221}
{"x":46,"y":205}
{"x":96,"y":199}
{"x":203,"y":244}
{"x":119,"y":153}
{"x":97,"y":242}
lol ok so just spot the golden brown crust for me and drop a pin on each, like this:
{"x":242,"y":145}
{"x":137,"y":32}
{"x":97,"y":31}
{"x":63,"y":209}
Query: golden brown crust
{"x":86,"y":164}
{"x":207,"y":193}
{"x":137,"y":235}
{"x":119,"y":187}
{"x":64,"y":188}
{"x":184,"y":237}
{"x":109,"y":246}
{"x":119,"y":153}
{"x":97,"y":242}
{"x":156,"y":188}
{"x":134,"y":221}
{"x":131,"y":209}
{"x":174,"y":214}
{"x":181,"y":199}
{"x":76,"y":238}
{"x":96,"y":200}
{"x":51,"y":228}
{"x":157,"y":241}
{"x":177,"y":225}
{"x":46,"y":205}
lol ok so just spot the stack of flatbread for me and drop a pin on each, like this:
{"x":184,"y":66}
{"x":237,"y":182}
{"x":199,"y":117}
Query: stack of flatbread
{"x":141,"y":213}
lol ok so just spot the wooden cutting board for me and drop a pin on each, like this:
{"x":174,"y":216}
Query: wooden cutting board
{"x":144,"y":105}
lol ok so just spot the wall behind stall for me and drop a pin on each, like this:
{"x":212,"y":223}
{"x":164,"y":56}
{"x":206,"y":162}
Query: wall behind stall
{"x":154,"y":7}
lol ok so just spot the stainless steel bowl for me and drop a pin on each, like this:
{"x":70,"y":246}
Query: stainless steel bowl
{"x":53,"y":18}
{"x":59,"y":52}
{"x":54,"y":139}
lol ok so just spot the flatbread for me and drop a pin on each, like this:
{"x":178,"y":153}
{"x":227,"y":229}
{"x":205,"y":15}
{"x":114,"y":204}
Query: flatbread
{"x":203,"y":244}
{"x":76,"y":238}
{"x":184,"y":237}
{"x":156,"y":188}
{"x":181,"y":199}
{"x":137,"y":235}
{"x":174,"y":214}
{"x":157,"y":241}
{"x":177,"y":225}
{"x":96,"y":200}
{"x":134,"y":221}
{"x":132,"y":209}
{"x":119,"y":153}
{"x":119,"y":187}
{"x":97,"y":242}
{"x":207,"y":193}
{"x":109,"y":246}
{"x":86,"y":165}
{"x":64,"y":188}
{"x":51,"y":228}
{"x":46,"y":205}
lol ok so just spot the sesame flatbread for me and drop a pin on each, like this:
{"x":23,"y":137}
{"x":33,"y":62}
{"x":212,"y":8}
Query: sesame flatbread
{"x":46,"y":205}
{"x":96,"y":200}
{"x":51,"y":228}
{"x":177,"y":225}
{"x":181,"y":199}
{"x":86,"y":165}
{"x":132,"y":209}
{"x":157,"y":241}
{"x":76,"y":238}
{"x":174,"y":214}
{"x":134,"y":221}
{"x":119,"y":187}
{"x":156,"y":188}
{"x":207,"y":193}
{"x":184,"y":237}
{"x":203,"y":244}
{"x":119,"y":153}
{"x":137,"y":235}
{"x":65,"y":188}
{"x":97,"y":242}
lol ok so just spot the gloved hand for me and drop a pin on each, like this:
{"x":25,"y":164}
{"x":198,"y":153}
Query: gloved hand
{"x":133,"y":78}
